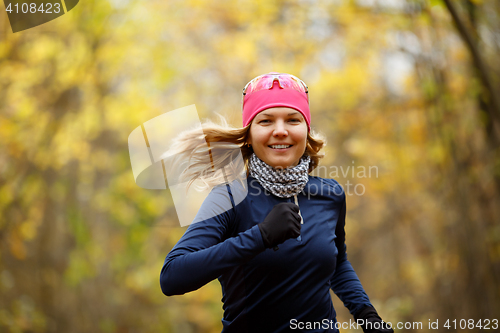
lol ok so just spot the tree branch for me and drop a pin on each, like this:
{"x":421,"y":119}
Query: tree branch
{"x":478,"y":62}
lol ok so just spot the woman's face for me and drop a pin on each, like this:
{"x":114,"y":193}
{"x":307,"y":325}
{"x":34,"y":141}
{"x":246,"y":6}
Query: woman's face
{"x":279,"y":126}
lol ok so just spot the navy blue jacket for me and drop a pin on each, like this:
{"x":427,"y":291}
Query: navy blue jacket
{"x":266,"y":290}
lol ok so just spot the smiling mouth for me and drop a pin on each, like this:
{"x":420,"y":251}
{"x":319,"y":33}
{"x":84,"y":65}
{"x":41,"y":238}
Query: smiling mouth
{"x":280,"y":147}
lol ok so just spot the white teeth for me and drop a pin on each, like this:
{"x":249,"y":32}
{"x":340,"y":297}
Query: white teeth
{"x":280,"y":146}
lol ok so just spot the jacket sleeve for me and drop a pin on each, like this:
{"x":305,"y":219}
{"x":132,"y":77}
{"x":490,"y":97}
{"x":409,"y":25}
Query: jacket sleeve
{"x":345,"y":283}
{"x":204,"y":252}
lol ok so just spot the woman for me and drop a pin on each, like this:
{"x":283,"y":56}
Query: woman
{"x":280,"y":249}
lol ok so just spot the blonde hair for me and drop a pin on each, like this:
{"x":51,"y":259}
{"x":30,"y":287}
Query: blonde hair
{"x":223,"y":143}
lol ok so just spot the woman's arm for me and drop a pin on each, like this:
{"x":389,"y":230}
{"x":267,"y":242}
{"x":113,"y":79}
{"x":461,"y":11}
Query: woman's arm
{"x":345,"y":283}
{"x":203,"y":253}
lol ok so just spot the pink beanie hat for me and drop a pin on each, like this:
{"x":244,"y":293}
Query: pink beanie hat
{"x":258,"y":101}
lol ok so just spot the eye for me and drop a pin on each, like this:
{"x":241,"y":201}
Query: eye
{"x":265,"y":120}
{"x":295,"y":120}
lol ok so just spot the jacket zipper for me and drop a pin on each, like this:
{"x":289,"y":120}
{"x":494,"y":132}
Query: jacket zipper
{"x":297,"y":203}
{"x":301,"y":219}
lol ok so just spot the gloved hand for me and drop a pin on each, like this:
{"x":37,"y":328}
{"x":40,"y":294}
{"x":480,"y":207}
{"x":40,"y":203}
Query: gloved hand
{"x":282,"y":223}
{"x":371,"y":322}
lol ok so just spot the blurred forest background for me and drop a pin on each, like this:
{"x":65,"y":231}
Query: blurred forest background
{"x":411,"y":87}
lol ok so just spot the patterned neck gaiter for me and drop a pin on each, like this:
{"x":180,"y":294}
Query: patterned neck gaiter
{"x":283,"y":183}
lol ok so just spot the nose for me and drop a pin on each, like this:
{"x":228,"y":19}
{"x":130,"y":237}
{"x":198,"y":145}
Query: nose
{"x":280,"y":129}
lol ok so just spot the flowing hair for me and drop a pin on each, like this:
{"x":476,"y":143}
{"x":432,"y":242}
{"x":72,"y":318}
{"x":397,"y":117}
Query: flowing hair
{"x":211,"y":153}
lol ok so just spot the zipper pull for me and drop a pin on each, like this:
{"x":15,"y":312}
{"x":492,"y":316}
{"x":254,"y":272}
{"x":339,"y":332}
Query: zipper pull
{"x":299,"y":239}
{"x":297,"y":203}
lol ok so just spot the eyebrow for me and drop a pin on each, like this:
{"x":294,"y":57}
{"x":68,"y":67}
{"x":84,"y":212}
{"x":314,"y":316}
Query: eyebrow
{"x":270,"y":115}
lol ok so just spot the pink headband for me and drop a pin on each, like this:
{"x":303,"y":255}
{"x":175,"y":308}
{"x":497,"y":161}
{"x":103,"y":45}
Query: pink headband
{"x":276,"y":97}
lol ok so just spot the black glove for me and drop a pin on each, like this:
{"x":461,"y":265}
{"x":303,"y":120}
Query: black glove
{"x":282,"y":223}
{"x":371,"y":322}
